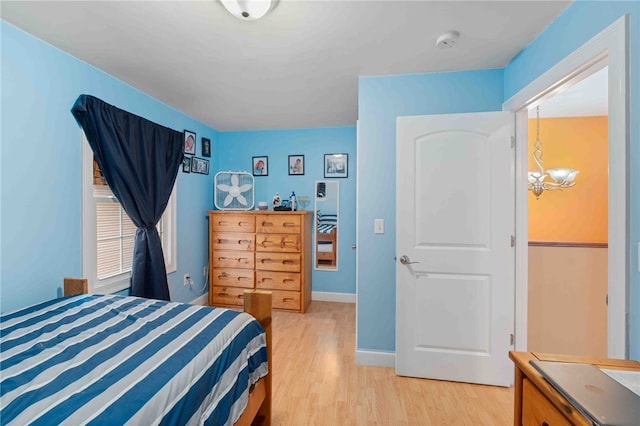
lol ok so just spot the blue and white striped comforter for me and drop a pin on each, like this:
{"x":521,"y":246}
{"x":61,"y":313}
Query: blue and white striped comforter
{"x":114,"y":360}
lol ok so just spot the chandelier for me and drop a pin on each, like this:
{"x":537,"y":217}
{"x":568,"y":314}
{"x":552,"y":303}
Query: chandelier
{"x":562,"y":177}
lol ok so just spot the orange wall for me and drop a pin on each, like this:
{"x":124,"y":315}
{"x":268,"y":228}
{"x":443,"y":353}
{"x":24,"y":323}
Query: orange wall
{"x":577,"y":214}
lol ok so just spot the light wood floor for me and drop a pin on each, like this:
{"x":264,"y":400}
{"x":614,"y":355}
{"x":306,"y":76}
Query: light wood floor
{"x":316,"y":381}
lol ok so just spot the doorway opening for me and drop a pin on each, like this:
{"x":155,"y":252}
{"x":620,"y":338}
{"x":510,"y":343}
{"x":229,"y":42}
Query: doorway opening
{"x":568,"y":236}
{"x":608,"y":48}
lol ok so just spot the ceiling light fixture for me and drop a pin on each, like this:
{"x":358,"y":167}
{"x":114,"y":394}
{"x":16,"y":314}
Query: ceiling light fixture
{"x":563,"y":177}
{"x":249,"y":10}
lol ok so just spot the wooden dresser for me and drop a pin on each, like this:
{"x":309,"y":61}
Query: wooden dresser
{"x":263,"y":250}
{"x":538,"y":403}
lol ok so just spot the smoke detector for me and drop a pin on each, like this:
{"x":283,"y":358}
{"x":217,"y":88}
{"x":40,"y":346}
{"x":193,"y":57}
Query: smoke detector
{"x":447,"y":40}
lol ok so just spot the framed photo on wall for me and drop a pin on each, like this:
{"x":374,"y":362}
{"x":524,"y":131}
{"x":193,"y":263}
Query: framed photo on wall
{"x":186,"y":164}
{"x":260,"y":166}
{"x":199,"y":165}
{"x":296,"y":164}
{"x":206,"y":147}
{"x":336,"y":165}
{"x":189,"y":142}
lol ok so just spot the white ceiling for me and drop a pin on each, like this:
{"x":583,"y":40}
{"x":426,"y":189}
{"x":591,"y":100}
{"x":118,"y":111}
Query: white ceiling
{"x":297,"y":67}
{"x":589,"y":97}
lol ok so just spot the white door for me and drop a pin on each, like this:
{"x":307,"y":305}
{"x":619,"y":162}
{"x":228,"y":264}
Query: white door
{"x":455,"y":218}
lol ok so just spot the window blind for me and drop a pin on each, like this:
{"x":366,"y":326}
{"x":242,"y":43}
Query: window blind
{"x":115,"y":232}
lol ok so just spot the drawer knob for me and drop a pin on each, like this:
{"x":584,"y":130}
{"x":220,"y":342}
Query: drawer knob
{"x":222,"y":294}
{"x":267,"y":223}
{"x":288,"y":280}
{"x":290,"y":299}
{"x":288,"y":224}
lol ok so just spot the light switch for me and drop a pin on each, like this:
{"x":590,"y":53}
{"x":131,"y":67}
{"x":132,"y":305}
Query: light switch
{"x":378,"y":226}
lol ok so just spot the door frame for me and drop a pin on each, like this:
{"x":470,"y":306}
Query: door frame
{"x":608,"y":48}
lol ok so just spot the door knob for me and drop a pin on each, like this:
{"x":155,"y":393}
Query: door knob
{"x":404,"y":259}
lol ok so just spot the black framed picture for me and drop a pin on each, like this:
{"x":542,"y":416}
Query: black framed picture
{"x":199,"y":165}
{"x":260,"y":166}
{"x":186,"y":164}
{"x":296,"y":164}
{"x":336,"y":165}
{"x":206,"y":147}
{"x":189,"y":142}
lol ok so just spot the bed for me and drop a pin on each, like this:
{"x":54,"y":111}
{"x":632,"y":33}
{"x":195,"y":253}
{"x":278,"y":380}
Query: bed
{"x":326,"y":232}
{"x":109,"y":359}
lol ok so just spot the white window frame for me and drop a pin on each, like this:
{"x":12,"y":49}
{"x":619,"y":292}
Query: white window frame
{"x":89,"y":242}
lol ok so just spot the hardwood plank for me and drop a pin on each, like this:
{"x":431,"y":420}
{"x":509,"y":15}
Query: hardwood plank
{"x":316,"y":381}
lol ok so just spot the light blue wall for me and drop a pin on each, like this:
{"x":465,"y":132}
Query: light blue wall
{"x":235,"y":150}
{"x":578,"y":24}
{"x":41,"y":171}
{"x":381,"y":100}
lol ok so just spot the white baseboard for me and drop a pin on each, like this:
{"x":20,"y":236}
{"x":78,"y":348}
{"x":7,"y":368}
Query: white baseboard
{"x":324,"y":296}
{"x":375,"y":358}
{"x":202,"y":300}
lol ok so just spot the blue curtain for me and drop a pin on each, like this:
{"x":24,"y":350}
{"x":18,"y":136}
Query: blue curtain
{"x":139,"y":160}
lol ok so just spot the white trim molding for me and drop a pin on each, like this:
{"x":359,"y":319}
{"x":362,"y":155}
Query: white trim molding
{"x":202,"y":300}
{"x":375,"y":358}
{"x":608,"y":48}
{"x":325,"y":296}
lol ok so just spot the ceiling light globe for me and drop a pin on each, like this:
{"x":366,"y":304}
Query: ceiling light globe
{"x":249,"y":10}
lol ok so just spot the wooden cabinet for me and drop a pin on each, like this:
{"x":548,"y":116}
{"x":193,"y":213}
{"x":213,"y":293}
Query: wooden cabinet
{"x":261,"y":250}
{"x":538,"y":403}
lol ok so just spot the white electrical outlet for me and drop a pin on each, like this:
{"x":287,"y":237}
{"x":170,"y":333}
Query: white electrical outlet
{"x":204,"y":271}
{"x":187,"y":279}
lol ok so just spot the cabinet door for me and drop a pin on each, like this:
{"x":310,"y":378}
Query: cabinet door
{"x":290,"y":243}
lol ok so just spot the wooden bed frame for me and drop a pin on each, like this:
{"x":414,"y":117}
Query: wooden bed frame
{"x":257,"y":304}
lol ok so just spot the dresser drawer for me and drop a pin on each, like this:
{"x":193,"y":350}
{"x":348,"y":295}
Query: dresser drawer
{"x":325,"y":255}
{"x":278,"y":280}
{"x":232,"y":277}
{"x":227,"y":296}
{"x":285,"y":300}
{"x":283,"y":262}
{"x":232,"y":241}
{"x":537,"y":410}
{"x":233,"y":259}
{"x":284,"y":243}
{"x":278,"y":223}
{"x":235,"y":223}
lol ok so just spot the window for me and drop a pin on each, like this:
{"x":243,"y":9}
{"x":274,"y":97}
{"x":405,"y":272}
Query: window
{"x":108,"y":233}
